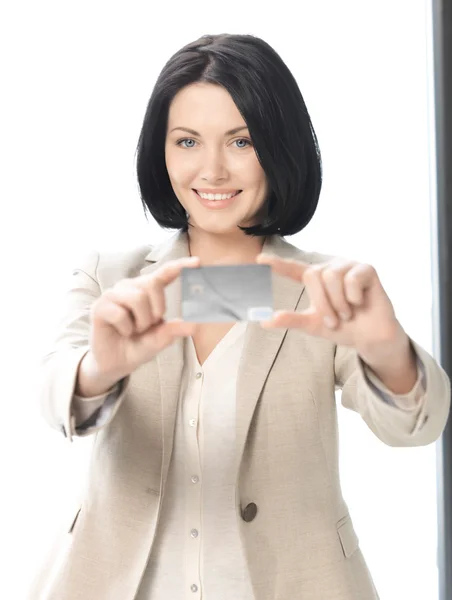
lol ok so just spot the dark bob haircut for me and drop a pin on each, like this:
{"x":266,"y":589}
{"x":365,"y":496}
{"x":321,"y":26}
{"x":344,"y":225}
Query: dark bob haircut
{"x":269,"y":99}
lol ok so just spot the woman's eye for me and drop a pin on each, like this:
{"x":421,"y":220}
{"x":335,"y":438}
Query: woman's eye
{"x":191,"y":143}
{"x":186,"y":143}
{"x":242,"y":143}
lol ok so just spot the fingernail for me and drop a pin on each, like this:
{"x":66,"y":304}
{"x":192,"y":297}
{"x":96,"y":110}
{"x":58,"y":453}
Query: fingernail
{"x":330,"y":322}
{"x":345,"y":316}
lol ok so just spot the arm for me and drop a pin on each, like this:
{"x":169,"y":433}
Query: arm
{"x":412,"y":419}
{"x":347,"y":305}
{"x":60,"y":367}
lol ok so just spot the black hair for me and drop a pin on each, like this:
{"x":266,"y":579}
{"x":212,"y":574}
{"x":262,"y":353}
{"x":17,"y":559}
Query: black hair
{"x":269,"y":99}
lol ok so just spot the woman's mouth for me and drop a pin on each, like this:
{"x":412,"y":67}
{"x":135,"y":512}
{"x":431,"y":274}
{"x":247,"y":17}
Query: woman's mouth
{"x":216,"y":200}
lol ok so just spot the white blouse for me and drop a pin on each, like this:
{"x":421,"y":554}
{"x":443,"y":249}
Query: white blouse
{"x":197,"y":551}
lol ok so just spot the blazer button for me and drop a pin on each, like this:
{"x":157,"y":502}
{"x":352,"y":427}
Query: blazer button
{"x":249,"y":512}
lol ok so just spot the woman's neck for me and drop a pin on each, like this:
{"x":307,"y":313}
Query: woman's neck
{"x":215,"y":249}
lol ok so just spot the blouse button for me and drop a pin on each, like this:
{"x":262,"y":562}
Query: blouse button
{"x":249,"y":512}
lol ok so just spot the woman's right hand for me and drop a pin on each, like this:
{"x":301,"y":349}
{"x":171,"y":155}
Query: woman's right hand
{"x":128,"y":328}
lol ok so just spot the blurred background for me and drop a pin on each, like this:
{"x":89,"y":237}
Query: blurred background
{"x":76,"y":78}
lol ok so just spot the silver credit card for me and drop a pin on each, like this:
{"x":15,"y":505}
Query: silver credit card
{"x":227,"y":293}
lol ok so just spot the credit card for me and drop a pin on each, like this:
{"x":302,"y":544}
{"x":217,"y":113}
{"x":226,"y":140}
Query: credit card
{"x":216,"y":294}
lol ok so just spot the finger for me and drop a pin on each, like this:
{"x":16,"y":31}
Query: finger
{"x":324,"y":311}
{"x":156,"y":283}
{"x":356,"y":281}
{"x":164,"y":334}
{"x":333,"y":280}
{"x":156,"y":297}
{"x":112,"y":314}
{"x":180,"y":328}
{"x":320,"y":313}
{"x":286,"y":267}
{"x":172,"y":269}
{"x":137,"y":301}
{"x":290,"y":320}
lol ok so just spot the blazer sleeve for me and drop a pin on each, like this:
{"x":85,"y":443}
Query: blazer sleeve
{"x":397,"y":420}
{"x":59,"y":367}
{"x":403,"y":401}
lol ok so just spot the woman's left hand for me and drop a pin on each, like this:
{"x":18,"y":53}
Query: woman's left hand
{"x":348,"y":304}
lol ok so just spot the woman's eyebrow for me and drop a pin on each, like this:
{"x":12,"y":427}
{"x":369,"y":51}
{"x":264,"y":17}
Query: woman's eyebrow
{"x":193,"y":132}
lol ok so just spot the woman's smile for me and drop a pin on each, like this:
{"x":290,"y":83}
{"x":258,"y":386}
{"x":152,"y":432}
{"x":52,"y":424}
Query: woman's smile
{"x":217,"y":200}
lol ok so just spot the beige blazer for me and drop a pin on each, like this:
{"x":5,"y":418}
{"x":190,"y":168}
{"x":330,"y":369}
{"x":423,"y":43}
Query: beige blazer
{"x":301,"y":544}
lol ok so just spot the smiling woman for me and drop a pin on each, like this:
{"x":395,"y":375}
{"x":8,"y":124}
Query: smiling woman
{"x":215,"y":468}
{"x":243,"y":135}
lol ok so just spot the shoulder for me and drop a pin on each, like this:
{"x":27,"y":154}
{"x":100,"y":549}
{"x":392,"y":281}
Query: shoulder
{"x":107,"y":266}
{"x":295,"y":253}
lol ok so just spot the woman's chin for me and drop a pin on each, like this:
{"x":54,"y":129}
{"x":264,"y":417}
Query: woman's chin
{"x":215,"y":226}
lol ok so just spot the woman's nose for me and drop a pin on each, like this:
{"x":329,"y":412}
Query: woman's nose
{"x":213,"y":167}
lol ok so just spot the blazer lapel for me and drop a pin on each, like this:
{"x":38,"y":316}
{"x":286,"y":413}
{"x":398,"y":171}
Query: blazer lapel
{"x":262,"y":345}
{"x":170,"y":360}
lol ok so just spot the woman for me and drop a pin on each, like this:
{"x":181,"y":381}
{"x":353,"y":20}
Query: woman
{"x":215,"y":464}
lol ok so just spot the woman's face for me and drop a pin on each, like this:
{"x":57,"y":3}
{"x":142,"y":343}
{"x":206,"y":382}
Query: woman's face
{"x":211,"y":162}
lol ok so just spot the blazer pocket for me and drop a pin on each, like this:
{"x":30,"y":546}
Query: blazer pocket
{"x":74,"y":521}
{"x":347,"y":536}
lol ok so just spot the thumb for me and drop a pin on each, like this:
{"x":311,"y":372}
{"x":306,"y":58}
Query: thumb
{"x":180,"y":328}
{"x":291,"y":320}
{"x":165,"y":333}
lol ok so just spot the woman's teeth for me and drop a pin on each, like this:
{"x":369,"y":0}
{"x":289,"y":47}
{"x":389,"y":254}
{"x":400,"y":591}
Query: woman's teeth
{"x":217,"y":196}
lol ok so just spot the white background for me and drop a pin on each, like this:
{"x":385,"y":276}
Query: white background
{"x":76,"y":78}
